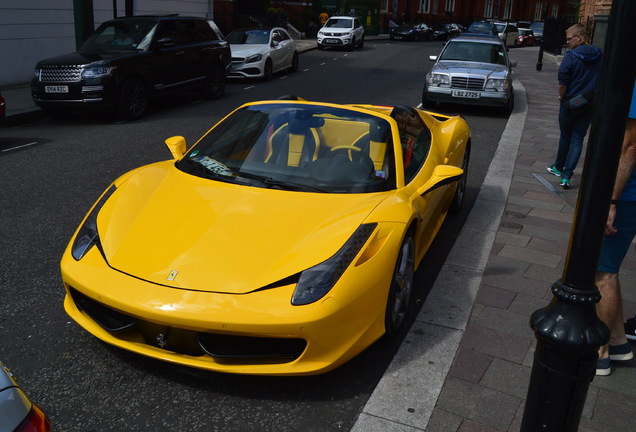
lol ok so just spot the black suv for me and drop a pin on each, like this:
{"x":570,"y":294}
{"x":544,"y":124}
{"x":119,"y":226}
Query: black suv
{"x":127,"y":60}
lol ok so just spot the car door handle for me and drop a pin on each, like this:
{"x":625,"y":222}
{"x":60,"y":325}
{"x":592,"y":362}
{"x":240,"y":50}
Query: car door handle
{"x":180,"y":52}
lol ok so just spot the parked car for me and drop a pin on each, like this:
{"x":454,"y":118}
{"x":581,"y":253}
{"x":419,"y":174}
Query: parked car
{"x":446,"y":31}
{"x":128,"y":60}
{"x":3,"y":108}
{"x":342,"y":32}
{"x":526,"y":37}
{"x":411,"y":32}
{"x":17,"y":412}
{"x":537,"y":29}
{"x":284,"y":242}
{"x":508,"y":33}
{"x":260,"y":53}
{"x":483,"y":27}
{"x":471,"y":70}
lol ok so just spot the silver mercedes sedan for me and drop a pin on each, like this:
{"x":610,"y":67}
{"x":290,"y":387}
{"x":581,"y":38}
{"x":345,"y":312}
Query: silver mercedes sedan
{"x":472,"y":69}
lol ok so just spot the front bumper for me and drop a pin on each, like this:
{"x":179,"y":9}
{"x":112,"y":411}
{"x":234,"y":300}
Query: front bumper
{"x":491,"y":98}
{"x":71,"y":95}
{"x":235,"y":333}
{"x":334,"y":41}
{"x":240,"y":69}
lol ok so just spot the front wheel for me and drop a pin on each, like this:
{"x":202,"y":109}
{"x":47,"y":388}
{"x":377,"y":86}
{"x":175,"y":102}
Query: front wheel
{"x":294,"y":63}
{"x":460,"y":192}
{"x":267,"y":71}
{"x":133,"y":100}
{"x":352,"y":45}
{"x":397,"y":305}
{"x":361,"y":44}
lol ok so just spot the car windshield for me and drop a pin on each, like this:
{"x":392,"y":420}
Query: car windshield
{"x":128,"y":35}
{"x":525,"y":32}
{"x":339,"y":23}
{"x":251,"y":37}
{"x":474,"y":52}
{"x":297,"y":147}
{"x":480,"y":28}
{"x":537,"y":26}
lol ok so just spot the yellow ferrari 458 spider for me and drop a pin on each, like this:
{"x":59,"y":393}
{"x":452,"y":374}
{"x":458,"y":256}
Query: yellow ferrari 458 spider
{"x":283,"y":242}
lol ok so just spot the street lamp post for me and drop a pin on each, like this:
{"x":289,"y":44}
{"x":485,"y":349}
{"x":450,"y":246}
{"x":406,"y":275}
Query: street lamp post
{"x":568,"y":330}
{"x":540,"y":59}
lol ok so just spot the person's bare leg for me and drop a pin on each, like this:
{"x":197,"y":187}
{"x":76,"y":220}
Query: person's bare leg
{"x":610,"y":310}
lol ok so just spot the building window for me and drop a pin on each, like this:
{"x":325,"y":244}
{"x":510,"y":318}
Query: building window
{"x":425,"y":6}
{"x":384,"y":5}
{"x":488,"y":9}
{"x":555,"y":11}
{"x":450,"y":6}
{"x":508,"y":9}
{"x":538,"y":13}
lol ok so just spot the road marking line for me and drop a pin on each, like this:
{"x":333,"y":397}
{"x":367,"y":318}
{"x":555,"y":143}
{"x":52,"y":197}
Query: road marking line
{"x":19,"y":147}
{"x":247,"y":88}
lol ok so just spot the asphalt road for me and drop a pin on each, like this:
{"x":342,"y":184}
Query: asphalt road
{"x":49,"y":184}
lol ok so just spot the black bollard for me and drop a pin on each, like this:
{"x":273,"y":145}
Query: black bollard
{"x":568,"y":330}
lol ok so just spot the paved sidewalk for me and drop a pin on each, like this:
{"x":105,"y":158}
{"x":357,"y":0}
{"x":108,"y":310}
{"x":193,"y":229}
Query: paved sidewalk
{"x":465,"y":365}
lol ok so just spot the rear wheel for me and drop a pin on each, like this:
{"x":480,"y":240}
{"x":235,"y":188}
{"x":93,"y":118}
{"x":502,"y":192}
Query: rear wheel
{"x":133,"y":100}
{"x":214,"y":86}
{"x":399,"y":300}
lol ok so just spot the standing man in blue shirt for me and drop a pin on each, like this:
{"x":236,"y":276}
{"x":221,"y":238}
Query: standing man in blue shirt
{"x":578,"y":74}
{"x":619,"y":233}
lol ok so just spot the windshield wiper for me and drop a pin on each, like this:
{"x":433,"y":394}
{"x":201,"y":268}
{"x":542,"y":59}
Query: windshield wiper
{"x":268,"y":181}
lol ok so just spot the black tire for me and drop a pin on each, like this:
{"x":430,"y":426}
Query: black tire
{"x":352,"y":45}
{"x":267,"y":71}
{"x":426,"y":104}
{"x":294,"y":63}
{"x":361,"y":44}
{"x":460,"y":192}
{"x":510,"y":106}
{"x":214,"y":86}
{"x":133,"y":100}
{"x":320,"y":47}
{"x":401,"y":291}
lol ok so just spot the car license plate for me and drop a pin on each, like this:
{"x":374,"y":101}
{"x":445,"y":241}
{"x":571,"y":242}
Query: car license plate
{"x":465,"y":94}
{"x":331,"y":41}
{"x":56,"y":89}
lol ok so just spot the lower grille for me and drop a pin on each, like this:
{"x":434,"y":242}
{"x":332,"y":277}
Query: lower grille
{"x":222,"y":347}
{"x":467,"y":83}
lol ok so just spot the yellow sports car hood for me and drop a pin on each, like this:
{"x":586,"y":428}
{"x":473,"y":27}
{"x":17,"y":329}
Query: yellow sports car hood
{"x":176,"y":229}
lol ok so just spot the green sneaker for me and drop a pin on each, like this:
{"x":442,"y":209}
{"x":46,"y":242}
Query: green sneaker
{"x":552,"y":169}
{"x":565,"y":183}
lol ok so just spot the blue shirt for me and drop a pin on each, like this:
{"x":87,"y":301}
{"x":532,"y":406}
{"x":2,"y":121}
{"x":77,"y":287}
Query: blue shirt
{"x":629,"y":193}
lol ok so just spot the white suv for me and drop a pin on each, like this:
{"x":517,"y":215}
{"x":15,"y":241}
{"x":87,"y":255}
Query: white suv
{"x":341,"y":31}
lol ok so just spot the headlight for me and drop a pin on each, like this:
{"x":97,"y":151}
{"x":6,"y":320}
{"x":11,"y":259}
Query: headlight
{"x":87,"y":235}
{"x":498,"y":84}
{"x":97,"y":71}
{"x":316,"y":282}
{"x":254,"y":58}
{"x":438,"y":79}
{"x":36,"y":73}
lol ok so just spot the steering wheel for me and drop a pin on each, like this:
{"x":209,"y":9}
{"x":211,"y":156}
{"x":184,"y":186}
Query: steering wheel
{"x":348,"y":149}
